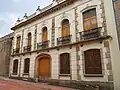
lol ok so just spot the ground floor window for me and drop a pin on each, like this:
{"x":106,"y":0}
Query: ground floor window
{"x":93,"y":61}
{"x":15,"y":67}
{"x":65,"y":63}
{"x":26,"y":65}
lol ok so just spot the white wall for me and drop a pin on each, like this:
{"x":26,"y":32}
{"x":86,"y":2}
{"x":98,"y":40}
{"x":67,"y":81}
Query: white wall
{"x":66,"y":13}
{"x":115,"y":52}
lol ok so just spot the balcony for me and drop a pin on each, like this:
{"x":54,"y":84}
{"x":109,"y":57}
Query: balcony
{"x":43,"y":45}
{"x":16,"y":51}
{"x":64,"y":40}
{"x":27,"y":48}
{"x":91,"y":34}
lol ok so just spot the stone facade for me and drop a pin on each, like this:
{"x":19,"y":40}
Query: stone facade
{"x":52,"y":18}
{"x":5,"y":52}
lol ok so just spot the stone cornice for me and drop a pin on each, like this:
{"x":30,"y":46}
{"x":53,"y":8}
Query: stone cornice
{"x":67,"y":45}
{"x":45,"y":13}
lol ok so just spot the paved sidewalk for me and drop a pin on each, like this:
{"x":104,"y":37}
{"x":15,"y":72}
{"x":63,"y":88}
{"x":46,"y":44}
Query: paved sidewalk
{"x":11,"y":84}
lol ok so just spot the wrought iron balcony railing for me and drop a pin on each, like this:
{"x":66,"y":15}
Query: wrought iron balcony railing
{"x":16,"y":51}
{"x":91,"y":34}
{"x":27,"y":48}
{"x":43,"y":45}
{"x":64,"y":40}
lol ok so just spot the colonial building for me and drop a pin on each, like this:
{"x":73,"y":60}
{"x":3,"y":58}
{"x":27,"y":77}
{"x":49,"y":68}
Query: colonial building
{"x":5,"y":52}
{"x":67,"y":40}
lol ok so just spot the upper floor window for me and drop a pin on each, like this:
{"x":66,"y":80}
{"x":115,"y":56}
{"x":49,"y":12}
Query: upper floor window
{"x":65,"y":33}
{"x":15,"y":67}
{"x":44,"y":34}
{"x":29,"y":39}
{"x":26,"y":65}
{"x":89,"y":19}
{"x":93,"y":61}
{"x":65,"y":63}
{"x":18,"y":42}
{"x":65,"y":28}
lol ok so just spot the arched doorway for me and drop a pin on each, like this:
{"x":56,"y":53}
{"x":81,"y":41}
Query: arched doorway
{"x":44,"y":67}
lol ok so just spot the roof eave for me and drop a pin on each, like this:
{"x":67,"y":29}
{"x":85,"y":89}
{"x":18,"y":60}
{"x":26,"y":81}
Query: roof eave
{"x":45,"y":13}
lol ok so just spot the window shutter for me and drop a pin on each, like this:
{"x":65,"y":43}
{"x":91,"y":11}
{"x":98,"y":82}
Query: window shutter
{"x":97,"y":61}
{"x":18,"y":42}
{"x":29,"y":39}
{"x":87,"y":25}
{"x":44,"y":36}
{"x":90,"y":19}
{"x":93,"y":62}
{"x":15,"y":66}
{"x":26,"y":65}
{"x":65,"y":28}
{"x":64,"y":63}
{"x":93,"y":22}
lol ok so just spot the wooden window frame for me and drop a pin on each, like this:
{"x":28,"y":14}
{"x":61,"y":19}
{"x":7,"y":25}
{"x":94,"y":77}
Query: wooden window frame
{"x":29,"y":39}
{"x":93,"y":75}
{"x":18,"y":42}
{"x":89,"y":19}
{"x":15,"y":70}
{"x":44,"y":30}
{"x":66,"y":23}
{"x":68,"y":73}
{"x":26,"y":67}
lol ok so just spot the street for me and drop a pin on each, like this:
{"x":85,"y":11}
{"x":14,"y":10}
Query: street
{"x":10,"y":84}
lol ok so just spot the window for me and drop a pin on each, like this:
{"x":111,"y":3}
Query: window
{"x":15,"y":67}
{"x":93,"y":61}
{"x":90,"y":19}
{"x":26,"y":65}
{"x":29,"y":39}
{"x":18,"y":42}
{"x":44,"y":34}
{"x":65,"y":28}
{"x":65,"y":63}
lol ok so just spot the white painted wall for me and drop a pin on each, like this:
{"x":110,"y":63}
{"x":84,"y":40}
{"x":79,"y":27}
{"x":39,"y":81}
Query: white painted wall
{"x":104,"y":60}
{"x":66,"y":13}
{"x":115,"y":52}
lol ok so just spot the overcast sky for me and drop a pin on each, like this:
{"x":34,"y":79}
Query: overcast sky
{"x":10,"y":10}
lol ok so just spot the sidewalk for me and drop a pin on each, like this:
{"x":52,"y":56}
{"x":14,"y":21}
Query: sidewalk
{"x":11,"y":84}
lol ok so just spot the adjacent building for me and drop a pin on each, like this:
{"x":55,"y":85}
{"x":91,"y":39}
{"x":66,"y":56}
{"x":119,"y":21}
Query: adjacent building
{"x":67,"y":40}
{"x":5,"y":53}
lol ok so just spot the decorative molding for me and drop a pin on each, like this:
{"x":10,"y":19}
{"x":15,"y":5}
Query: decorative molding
{"x":35,"y":37}
{"x":45,"y":13}
{"x":53,"y":32}
{"x":77,"y":46}
{"x":55,"y":47}
{"x":88,"y":8}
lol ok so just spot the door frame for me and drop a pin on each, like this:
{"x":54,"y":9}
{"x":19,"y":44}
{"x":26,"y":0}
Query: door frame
{"x":36,"y":73}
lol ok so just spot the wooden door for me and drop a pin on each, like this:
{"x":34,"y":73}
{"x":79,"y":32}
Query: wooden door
{"x":44,"y":67}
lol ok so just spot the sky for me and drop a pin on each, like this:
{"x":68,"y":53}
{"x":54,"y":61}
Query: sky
{"x":11,"y":10}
